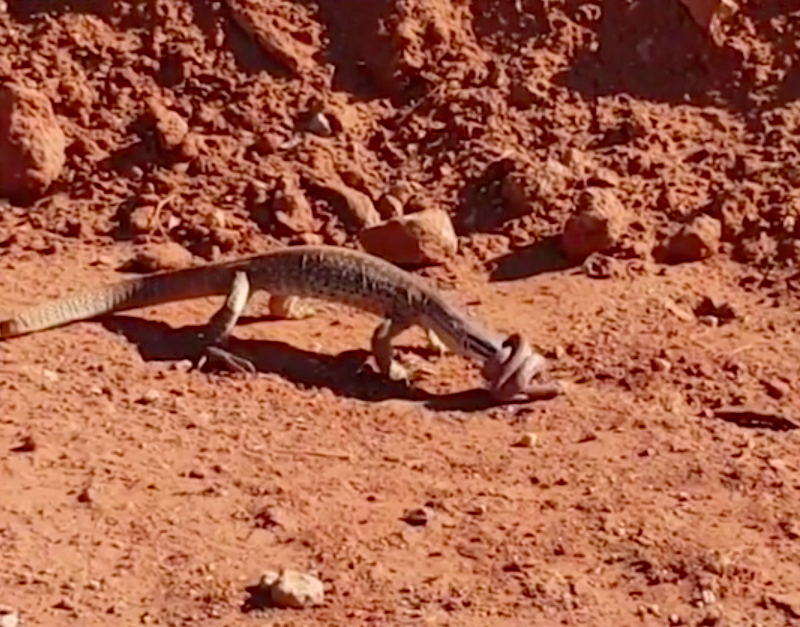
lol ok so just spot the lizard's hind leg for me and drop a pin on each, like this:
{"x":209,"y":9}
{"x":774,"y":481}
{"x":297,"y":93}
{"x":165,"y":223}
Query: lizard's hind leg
{"x":222,"y":323}
{"x":382,"y":350}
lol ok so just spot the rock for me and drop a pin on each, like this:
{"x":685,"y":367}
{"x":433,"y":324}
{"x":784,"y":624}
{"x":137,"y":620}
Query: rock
{"x":776,"y":388}
{"x":149,"y":397}
{"x":319,"y":124}
{"x":416,"y":517}
{"x":170,"y":127}
{"x":695,"y":241}
{"x":355,"y":207}
{"x":659,"y":364}
{"x":529,"y":190}
{"x":597,"y":227}
{"x":719,"y":309}
{"x":291,"y":209}
{"x":424,"y":237}
{"x":26,"y":445}
{"x":9,"y":617}
{"x":788,"y":603}
{"x":290,"y":588}
{"x":159,"y":257}
{"x":389,"y":206}
{"x":707,"y":12}
{"x":32,"y":144}
{"x":528,"y":440}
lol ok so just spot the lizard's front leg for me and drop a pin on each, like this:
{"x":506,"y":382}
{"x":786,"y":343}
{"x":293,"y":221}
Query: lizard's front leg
{"x":222,"y":323}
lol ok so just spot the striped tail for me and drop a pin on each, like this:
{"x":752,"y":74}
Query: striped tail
{"x":141,"y":292}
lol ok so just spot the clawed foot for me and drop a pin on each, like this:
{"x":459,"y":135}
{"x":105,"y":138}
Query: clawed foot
{"x":512,"y":372}
{"x":219,"y":357}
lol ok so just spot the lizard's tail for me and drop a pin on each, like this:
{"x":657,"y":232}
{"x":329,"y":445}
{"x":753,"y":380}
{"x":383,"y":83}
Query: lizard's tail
{"x":132,"y":294}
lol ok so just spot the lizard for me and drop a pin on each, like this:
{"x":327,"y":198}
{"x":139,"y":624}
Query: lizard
{"x":329,"y":273}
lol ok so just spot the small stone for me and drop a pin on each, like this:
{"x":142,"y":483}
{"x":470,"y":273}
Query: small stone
{"x":292,"y":589}
{"x":675,"y":619}
{"x":291,"y":209}
{"x":712,"y":617}
{"x":149,"y":397}
{"x":32,"y":143}
{"x":390,"y":206}
{"x":159,"y":257}
{"x":27,"y":445}
{"x":597,"y":227}
{"x":788,"y":603}
{"x":403,"y":191}
{"x":356,"y":208}
{"x":695,"y":241}
{"x":142,"y":219}
{"x":720,"y":309}
{"x":319,"y":124}
{"x":604,"y":177}
{"x":528,"y":440}
{"x":423,"y":237}
{"x":659,"y":364}
{"x":777,"y":464}
{"x":9,"y":617}
{"x":170,"y":127}
{"x":532,"y":190}
{"x":790,"y":528}
{"x":416,"y":517}
{"x":776,"y":388}
{"x":709,"y":321}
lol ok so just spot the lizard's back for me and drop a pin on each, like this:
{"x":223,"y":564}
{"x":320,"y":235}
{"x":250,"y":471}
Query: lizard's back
{"x":324,"y":272}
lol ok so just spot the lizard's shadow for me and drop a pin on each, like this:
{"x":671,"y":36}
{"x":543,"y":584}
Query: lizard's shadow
{"x":346,"y":374}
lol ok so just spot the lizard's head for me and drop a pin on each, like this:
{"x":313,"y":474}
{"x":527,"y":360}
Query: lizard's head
{"x":464,"y":335}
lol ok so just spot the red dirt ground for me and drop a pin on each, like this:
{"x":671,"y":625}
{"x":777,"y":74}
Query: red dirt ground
{"x":135,"y":492}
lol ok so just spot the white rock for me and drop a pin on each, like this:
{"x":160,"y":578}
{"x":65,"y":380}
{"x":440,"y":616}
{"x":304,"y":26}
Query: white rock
{"x":290,"y":588}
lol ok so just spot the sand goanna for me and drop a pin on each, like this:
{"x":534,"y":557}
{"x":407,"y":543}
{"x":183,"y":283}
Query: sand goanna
{"x":511,"y":367}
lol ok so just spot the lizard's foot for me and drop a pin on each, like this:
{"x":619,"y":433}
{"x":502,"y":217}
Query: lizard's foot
{"x":512,"y":372}
{"x":435,"y":343}
{"x":290,"y":308}
{"x":217,"y":356}
{"x":402,"y":374}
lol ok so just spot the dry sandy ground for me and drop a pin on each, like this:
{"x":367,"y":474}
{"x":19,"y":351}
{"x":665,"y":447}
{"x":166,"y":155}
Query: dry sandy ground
{"x":133,"y":491}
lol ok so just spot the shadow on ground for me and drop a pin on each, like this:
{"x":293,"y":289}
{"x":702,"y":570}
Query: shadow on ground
{"x":542,"y":257}
{"x":346,"y":374}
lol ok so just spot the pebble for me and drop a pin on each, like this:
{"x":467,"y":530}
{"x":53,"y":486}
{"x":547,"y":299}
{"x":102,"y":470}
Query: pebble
{"x":319,"y":124}
{"x":170,"y":127}
{"x":528,"y":440}
{"x":160,"y":257}
{"x":709,"y":321}
{"x":291,"y":588}
{"x":149,"y":397}
{"x":27,"y":445}
{"x":598,"y":225}
{"x":416,"y":517}
{"x":659,"y":364}
{"x":776,"y":388}
{"x":389,"y":206}
{"x":9,"y":617}
{"x":695,"y":241}
{"x":32,"y":143}
{"x":423,"y":237}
